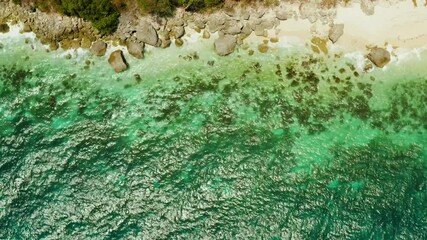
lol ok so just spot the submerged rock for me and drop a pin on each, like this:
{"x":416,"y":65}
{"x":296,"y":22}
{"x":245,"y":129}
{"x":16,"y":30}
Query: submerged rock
{"x":263,"y":48}
{"x":179,"y":42}
{"x":136,"y":49}
{"x":379,"y":56}
{"x":336,"y":31}
{"x":4,"y":28}
{"x":225,"y":45}
{"x":117,"y":61}
{"x":1,"y":45}
{"x":206,"y":34}
{"x":99,"y":48}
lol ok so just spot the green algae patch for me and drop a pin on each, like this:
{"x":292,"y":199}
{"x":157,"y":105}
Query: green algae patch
{"x":295,"y":146}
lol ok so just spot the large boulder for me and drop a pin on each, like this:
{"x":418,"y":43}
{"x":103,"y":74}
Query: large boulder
{"x":99,"y":48}
{"x":379,"y":56}
{"x":4,"y":28}
{"x":117,"y":61}
{"x":147,"y":34}
{"x":136,"y":49}
{"x":225,"y":45}
{"x":336,"y":31}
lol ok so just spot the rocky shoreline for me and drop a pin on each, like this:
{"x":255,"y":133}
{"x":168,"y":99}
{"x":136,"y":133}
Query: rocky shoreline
{"x":231,"y":26}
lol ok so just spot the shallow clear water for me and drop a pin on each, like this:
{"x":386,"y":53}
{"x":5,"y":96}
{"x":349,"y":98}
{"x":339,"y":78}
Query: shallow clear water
{"x":279,"y":146}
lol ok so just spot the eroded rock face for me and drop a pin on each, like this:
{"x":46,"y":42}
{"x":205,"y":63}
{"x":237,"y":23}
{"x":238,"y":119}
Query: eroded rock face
{"x":4,"y":28}
{"x":117,"y":61}
{"x":336,"y":31}
{"x":379,"y":56}
{"x":147,"y":34}
{"x":99,"y":48}
{"x":225,"y":45}
{"x":136,"y":49}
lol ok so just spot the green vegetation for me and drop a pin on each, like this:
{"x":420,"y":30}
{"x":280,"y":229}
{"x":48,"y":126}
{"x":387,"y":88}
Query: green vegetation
{"x":104,"y":14}
{"x":101,"y":13}
{"x":167,"y":7}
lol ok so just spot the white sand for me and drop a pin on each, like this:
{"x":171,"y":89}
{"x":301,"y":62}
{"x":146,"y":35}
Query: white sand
{"x":399,"y":24}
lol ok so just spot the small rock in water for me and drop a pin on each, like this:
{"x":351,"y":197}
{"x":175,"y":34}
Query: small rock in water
{"x":137,"y":77}
{"x":117,"y":61}
{"x":1,"y":46}
{"x":4,"y":28}
{"x":136,"y":49}
{"x":263,"y":48}
{"x":68,"y":56}
{"x":379,"y":56}
{"x":274,"y":39}
{"x":211,"y":63}
{"x":206,"y":34}
{"x":99,"y":48}
{"x":179,"y":42}
{"x":87,"y":62}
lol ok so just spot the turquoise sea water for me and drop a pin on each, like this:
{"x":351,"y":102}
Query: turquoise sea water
{"x":285,"y":145}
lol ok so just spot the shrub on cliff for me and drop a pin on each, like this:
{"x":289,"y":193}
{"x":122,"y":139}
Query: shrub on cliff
{"x":159,"y":7}
{"x":101,"y":13}
{"x":167,"y":7}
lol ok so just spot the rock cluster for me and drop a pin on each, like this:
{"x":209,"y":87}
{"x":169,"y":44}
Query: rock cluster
{"x":232,"y":25}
